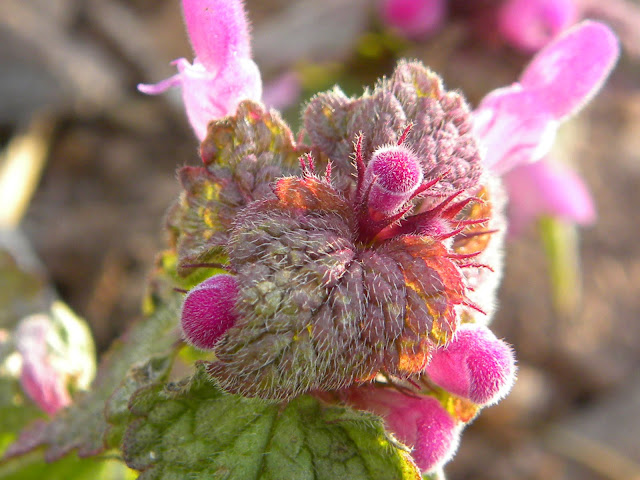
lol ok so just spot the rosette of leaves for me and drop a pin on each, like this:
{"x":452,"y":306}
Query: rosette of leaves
{"x":332,"y":291}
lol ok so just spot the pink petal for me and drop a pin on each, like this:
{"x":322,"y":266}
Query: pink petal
{"x":218,"y":31}
{"x":419,"y":422}
{"x":530,"y":24}
{"x":475,"y":365}
{"x":209,"y":97}
{"x":163,"y":85}
{"x":39,"y":378}
{"x":209,"y":311}
{"x":413,"y":18}
{"x":516,"y":125}
{"x":547,"y":188}
{"x":222,"y":74}
{"x":513,"y":128}
{"x":571,"y":69}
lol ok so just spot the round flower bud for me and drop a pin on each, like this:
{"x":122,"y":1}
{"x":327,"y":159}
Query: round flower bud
{"x":474,"y":365}
{"x":209,"y":311}
{"x":396,"y":173}
{"x":419,"y":421}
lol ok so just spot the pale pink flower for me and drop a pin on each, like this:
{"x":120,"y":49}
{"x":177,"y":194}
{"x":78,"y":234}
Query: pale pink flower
{"x":222,"y":73}
{"x":550,"y":188}
{"x":283,"y":91}
{"x":45,"y":384}
{"x":516,"y":125}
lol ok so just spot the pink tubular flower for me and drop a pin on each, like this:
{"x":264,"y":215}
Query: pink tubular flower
{"x":547,"y":188}
{"x":45,"y":384}
{"x":419,"y":422}
{"x":222,"y":73}
{"x":530,"y":24}
{"x":474,"y":365}
{"x":413,"y":18}
{"x":516,"y":125}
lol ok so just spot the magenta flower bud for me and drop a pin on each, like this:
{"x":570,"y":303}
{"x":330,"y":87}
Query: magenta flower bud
{"x":434,"y":435}
{"x":209,"y":311}
{"x":420,"y":422}
{"x":474,"y":365}
{"x":393,"y":174}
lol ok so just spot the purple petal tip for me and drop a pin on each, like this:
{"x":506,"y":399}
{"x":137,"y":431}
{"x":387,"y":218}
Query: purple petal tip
{"x":572,"y":68}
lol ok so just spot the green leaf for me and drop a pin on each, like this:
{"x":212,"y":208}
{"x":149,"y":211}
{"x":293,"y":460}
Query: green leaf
{"x":33,"y":467}
{"x":116,"y":412}
{"x":83,"y":425}
{"x":16,"y":411}
{"x":193,"y":429}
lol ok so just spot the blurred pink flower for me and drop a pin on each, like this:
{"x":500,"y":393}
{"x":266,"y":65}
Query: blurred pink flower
{"x":41,"y":380}
{"x":222,"y":73}
{"x":527,"y":25}
{"x":530,"y":24}
{"x":413,"y":18}
{"x":282,"y":92}
{"x":516,"y":125}
{"x":547,"y":188}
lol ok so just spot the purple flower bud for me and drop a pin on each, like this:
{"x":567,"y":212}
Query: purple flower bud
{"x":393,"y":174}
{"x":474,"y":365}
{"x":209,"y":311}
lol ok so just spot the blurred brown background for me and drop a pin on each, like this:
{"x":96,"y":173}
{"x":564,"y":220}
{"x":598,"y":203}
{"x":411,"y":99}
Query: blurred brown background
{"x":68,"y":71}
